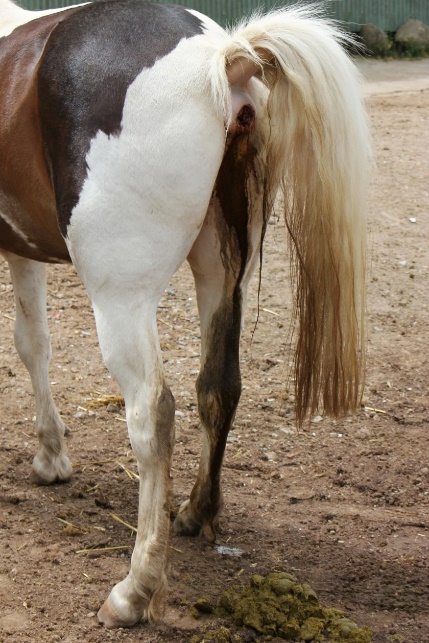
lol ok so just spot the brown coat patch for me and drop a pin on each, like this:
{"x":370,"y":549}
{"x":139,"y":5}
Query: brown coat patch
{"x":26,"y":193}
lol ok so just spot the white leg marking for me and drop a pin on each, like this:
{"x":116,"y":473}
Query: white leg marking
{"x":33,"y":345}
{"x":130,"y":346}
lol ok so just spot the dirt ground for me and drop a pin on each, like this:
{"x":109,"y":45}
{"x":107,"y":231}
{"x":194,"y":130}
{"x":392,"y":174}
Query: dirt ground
{"x":343,"y":505}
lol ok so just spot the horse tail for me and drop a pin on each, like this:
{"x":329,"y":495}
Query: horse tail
{"x":318,"y":153}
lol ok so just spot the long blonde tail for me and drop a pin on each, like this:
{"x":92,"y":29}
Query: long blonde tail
{"x":318,"y":154}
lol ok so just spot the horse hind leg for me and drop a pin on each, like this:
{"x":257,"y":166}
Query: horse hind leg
{"x":218,"y":390}
{"x":32,"y":342}
{"x":222,"y":260}
{"x":130,"y":346}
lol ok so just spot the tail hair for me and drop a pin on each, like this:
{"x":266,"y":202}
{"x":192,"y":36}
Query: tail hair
{"x":318,"y":154}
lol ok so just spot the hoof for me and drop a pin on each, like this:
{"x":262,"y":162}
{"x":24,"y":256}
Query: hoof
{"x":118,"y":611}
{"x":108,"y":617}
{"x":48,"y":471}
{"x":186,"y":525}
{"x":208,"y":532}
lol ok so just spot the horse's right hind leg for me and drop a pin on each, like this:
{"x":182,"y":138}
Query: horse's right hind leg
{"x":222,"y":260}
{"x":34,"y":348}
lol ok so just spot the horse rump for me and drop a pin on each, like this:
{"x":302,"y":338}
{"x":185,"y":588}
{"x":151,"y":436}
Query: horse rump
{"x":317,"y":153}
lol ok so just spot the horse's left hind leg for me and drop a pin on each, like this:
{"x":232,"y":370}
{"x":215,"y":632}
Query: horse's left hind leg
{"x":34,"y":348}
{"x":130,"y":346}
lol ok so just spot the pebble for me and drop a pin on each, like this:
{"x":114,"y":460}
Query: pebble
{"x":269,"y":456}
{"x":364,"y":433}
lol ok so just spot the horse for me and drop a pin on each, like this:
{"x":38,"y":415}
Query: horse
{"x":135,"y":136}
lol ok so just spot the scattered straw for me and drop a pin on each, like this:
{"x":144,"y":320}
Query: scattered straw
{"x":93,"y":488}
{"x":267,"y":310}
{"x":122,"y":522}
{"x":85,"y":464}
{"x":71,"y":527}
{"x":131,"y":474}
{"x":105,"y":400}
{"x":90,"y":550}
{"x":179,"y":551}
{"x":370,"y":408}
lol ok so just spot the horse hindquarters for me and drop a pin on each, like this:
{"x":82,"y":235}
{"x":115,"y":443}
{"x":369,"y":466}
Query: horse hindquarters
{"x":312,"y":135}
{"x":318,"y":152}
{"x":140,"y":209}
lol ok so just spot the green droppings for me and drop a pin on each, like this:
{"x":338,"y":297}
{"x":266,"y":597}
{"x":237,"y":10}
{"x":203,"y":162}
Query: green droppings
{"x":257,"y":581}
{"x":312,"y":629}
{"x":221,"y":635}
{"x":203,"y":605}
{"x":278,"y":605}
{"x":281,"y":584}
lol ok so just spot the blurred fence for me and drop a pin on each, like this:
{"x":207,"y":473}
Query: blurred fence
{"x":386,"y":14}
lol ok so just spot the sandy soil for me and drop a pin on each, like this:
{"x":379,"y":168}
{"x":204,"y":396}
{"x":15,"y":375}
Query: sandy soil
{"x":342,"y":505}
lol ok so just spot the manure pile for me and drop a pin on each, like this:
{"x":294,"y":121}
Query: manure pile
{"x":278,"y":606}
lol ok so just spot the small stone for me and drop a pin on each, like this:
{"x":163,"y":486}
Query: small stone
{"x":270,"y":456}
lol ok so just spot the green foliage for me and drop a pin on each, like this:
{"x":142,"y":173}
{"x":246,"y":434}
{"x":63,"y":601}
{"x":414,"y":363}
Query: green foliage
{"x":410,"y":49}
{"x":407,"y":50}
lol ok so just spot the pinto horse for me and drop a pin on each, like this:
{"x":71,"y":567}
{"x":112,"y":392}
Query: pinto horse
{"x":134,"y":136}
